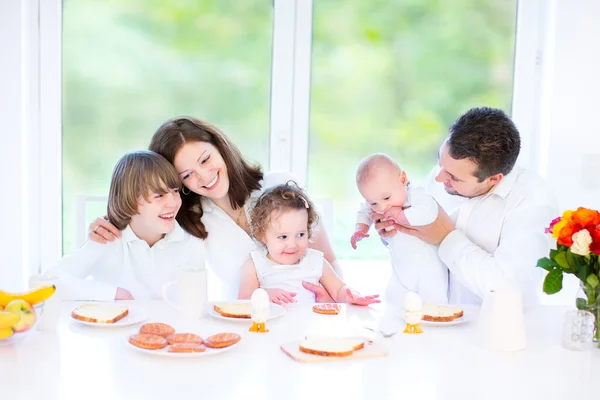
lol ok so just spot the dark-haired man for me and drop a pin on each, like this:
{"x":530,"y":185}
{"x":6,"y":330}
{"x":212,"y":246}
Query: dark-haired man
{"x":495,"y":233}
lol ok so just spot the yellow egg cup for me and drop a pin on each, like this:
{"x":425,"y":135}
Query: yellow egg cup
{"x":258,"y":327}
{"x":413,"y":328}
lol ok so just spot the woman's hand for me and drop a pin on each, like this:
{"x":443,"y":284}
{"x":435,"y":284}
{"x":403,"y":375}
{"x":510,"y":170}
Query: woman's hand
{"x":321,"y":295}
{"x":279,"y":296}
{"x":357,"y":299}
{"x":102,"y":231}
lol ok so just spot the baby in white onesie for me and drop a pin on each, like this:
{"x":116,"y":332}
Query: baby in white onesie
{"x":283,"y":219}
{"x":385,"y":187}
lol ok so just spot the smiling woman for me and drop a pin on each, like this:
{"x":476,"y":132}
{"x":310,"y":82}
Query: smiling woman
{"x":220,"y":189}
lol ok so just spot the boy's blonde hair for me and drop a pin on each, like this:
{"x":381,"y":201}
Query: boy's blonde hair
{"x":280,"y":198}
{"x":138,"y":174}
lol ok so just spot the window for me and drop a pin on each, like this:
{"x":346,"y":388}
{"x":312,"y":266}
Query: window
{"x":129,"y":66}
{"x":391,"y":77}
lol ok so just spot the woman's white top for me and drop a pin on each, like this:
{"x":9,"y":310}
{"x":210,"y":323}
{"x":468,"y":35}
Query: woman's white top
{"x":228,"y":246}
{"x":289,"y":277}
{"x":95,"y":271}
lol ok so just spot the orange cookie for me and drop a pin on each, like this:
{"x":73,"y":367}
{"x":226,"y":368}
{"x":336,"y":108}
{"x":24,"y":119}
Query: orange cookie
{"x":221,"y":340}
{"x":186,"y":348}
{"x":327,"y":308}
{"x":147,"y":341}
{"x":184,"y":338}
{"x":157,"y":328}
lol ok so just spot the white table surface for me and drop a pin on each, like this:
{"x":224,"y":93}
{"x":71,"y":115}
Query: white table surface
{"x":81,"y":362}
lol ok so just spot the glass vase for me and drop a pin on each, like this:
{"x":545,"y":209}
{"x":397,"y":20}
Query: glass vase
{"x":587,"y":300}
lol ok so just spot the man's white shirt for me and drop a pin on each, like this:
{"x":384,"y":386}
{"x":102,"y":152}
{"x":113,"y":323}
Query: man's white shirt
{"x":95,"y":271}
{"x":499,"y":236}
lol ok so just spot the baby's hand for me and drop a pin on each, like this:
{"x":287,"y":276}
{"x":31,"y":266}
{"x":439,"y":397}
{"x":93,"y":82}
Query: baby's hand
{"x":396,"y":214}
{"x":361,"y":300}
{"x":279,"y":296}
{"x":360,"y":233}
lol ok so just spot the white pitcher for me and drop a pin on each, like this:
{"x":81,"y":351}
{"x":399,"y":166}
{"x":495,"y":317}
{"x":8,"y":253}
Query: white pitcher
{"x":502,"y":323}
{"x":191,"y":287}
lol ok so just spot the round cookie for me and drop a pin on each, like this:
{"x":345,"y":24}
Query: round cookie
{"x":147,"y":341}
{"x":184,"y":338}
{"x":221,"y":340}
{"x":186,"y":348}
{"x":157,"y":328}
{"x":327,"y":308}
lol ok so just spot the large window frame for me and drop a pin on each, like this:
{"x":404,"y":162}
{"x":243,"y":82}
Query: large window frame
{"x":41,"y":107}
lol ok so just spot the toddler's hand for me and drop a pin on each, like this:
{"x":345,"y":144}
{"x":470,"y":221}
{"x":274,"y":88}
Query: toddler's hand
{"x":359,"y":234}
{"x":123,"y":294}
{"x":279,"y":296}
{"x":396,"y":214}
{"x":361,"y":300}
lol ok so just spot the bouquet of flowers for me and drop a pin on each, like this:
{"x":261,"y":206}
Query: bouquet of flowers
{"x":577,"y":235}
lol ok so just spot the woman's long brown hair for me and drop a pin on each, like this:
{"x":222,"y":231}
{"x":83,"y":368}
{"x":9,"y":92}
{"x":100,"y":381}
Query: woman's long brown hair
{"x":244,"y":178}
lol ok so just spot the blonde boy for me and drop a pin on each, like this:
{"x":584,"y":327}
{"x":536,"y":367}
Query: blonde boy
{"x":143,"y":202}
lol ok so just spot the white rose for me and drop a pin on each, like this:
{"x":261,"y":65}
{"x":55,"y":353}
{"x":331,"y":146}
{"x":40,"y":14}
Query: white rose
{"x":581,"y":242}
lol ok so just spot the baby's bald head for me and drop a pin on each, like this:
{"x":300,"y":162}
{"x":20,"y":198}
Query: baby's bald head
{"x":374,"y":163}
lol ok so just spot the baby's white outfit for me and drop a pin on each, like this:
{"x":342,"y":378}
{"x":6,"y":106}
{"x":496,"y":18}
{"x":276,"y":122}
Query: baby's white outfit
{"x":289,"y":277}
{"x":416,"y":266}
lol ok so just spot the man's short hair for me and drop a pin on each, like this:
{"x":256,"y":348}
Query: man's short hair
{"x":135,"y":176}
{"x":489,"y":138}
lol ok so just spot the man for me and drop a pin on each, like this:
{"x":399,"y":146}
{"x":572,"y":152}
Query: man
{"x":495,"y":235}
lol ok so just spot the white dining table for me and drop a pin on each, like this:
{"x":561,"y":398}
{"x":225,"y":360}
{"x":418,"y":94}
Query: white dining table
{"x":76,"y":361}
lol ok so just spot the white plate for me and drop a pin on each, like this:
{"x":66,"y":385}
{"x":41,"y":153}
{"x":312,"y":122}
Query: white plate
{"x":165,"y":352}
{"x":275,"y":310}
{"x":136,"y":314}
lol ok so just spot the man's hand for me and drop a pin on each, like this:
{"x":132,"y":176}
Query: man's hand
{"x":362,"y":231}
{"x":396,"y":214}
{"x":279,"y":296}
{"x":123,"y":294}
{"x":433,"y":233}
{"x":321,"y":295}
{"x":381,"y":225}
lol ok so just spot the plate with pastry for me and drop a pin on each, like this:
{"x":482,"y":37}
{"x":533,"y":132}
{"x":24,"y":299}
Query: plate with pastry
{"x":443,"y":315}
{"x":240,"y":310}
{"x":164,"y":341}
{"x":108,"y":315}
{"x":323,"y":349}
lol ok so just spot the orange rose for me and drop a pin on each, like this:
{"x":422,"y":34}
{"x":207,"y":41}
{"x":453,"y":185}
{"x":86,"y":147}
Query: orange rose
{"x":565,"y":236}
{"x":564,"y":221}
{"x":584,"y":217}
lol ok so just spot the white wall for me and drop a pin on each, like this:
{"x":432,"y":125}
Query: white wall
{"x":11,"y":233}
{"x":571,"y":113}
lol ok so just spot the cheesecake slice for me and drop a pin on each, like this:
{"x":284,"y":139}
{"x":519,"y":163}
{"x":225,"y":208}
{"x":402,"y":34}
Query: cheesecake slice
{"x":441,"y":313}
{"x":99,"y":313}
{"x":234,"y":310}
{"x":330,"y":346}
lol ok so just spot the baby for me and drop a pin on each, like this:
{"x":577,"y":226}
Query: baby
{"x":387,"y":191}
{"x":283,"y":219}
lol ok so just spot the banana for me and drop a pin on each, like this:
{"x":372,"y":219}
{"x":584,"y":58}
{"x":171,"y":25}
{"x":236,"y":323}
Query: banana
{"x":33,"y":297}
{"x":5,"y":333}
{"x":8,"y":319}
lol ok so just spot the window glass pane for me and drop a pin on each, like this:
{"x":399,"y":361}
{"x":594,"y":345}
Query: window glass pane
{"x":391,"y":77}
{"x":130,"y":65}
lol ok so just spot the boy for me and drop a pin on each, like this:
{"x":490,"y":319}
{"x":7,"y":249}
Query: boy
{"x":143,"y":202}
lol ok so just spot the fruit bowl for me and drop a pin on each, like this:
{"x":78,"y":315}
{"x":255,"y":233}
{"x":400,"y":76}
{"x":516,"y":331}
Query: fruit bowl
{"x":22,"y":321}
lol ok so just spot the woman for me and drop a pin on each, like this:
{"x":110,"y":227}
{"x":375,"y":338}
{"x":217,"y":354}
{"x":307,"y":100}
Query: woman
{"x":219,"y":189}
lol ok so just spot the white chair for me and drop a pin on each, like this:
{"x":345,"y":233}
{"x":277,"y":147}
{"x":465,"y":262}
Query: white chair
{"x":81,"y":223}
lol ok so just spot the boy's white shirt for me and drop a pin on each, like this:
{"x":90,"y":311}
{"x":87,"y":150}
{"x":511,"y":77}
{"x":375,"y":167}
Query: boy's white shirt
{"x":422,"y":211}
{"x":498,"y":238}
{"x":129,"y":263}
{"x":228,"y":246}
